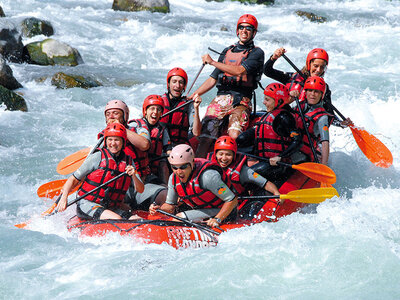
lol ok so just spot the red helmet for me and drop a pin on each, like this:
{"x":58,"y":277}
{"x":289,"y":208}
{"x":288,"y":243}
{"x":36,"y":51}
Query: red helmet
{"x":315,"y":83}
{"x":225,"y":142}
{"x":249,"y":19}
{"x":177,"y":72}
{"x":314,"y":54}
{"x":118,"y":104}
{"x":278,"y":92}
{"x":152,"y":100}
{"x":115,"y":129}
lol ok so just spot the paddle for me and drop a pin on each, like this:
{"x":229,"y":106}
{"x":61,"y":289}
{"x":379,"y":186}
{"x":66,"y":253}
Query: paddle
{"x":315,"y":171}
{"x":53,"y":188}
{"x":316,"y":195}
{"x":188,"y":102}
{"x":72,"y":162}
{"x":50,"y":211}
{"x":372,"y":147}
{"x":198,"y":226}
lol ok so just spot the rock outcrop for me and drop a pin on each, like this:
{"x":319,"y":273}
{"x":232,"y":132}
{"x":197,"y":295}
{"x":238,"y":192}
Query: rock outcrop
{"x":138,"y":5}
{"x":66,"y":81}
{"x":7,"y":78}
{"x":34,"y":26}
{"x":11,"y":47}
{"x":11,"y":100}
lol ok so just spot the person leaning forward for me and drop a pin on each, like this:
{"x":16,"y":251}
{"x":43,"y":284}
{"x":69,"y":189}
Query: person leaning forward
{"x":236,"y":74}
{"x":103,"y":165}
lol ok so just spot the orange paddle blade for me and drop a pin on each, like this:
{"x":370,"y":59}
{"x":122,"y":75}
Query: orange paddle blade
{"x":318,"y":172}
{"x":372,"y":148}
{"x":72,"y":162}
{"x":315,"y":195}
{"x":53,"y":188}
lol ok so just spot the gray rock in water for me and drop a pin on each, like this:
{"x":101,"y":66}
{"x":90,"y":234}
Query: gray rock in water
{"x":52,"y":52}
{"x":6,"y":76}
{"x":11,"y":46}
{"x":2,"y":15}
{"x":266,"y":2}
{"x":11,"y":100}
{"x":311,"y":16}
{"x":138,"y":5}
{"x":66,"y":81}
{"x":34,"y":26}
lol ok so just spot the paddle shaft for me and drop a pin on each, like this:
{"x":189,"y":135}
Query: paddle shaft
{"x":201,"y":227}
{"x":188,"y":102}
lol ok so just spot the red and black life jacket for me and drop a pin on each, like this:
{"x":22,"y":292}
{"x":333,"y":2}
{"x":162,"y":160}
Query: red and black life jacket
{"x":156,"y":147}
{"x":235,"y":59}
{"x":176,"y":123}
{"x":311,"y":117}
{"x":192,"y":194}
{"x":112,"y":195}
{"x":268,"y":143}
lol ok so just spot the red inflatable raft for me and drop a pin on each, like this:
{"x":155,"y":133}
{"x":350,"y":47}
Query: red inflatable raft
{"x":161,"y":229}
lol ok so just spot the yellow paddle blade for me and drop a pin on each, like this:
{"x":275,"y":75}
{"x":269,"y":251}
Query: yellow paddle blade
{"x":53,"y":188}
{"x":318,"y":172}
{"x":373,"y":149}
{"x":72,"y":162}
{"x":316,"y":195}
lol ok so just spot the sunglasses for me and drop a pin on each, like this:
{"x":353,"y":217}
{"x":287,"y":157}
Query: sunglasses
{"x":183,"y":167}
{"x":248,"y":28}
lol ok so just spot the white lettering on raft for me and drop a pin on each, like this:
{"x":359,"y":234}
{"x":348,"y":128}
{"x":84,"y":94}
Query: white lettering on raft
{"x":189,"y":237}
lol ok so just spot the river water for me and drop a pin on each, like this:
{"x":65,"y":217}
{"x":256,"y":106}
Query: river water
{"x":349,"y":248}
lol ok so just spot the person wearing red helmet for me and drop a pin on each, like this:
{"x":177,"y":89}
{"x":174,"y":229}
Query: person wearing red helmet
{"x":275,"y":136}
{"x":186,"y":119}
{"x":317,"y":118}
{"x":235,"y":167}
{"x":101,"y":166}
{"x":316,"y":64}
{"x":236,"y":75}
{"x":201,"y":185}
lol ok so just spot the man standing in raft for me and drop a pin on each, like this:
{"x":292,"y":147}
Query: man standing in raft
{"x":201,"y":185}
{"x":103,"y":165}
{"x":185,"y":119}
{"x":236,"y":73}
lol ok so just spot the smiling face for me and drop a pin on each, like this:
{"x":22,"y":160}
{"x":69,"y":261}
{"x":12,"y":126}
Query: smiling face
{"x":224,"y":157}
{"x":313,"y":96}
{"x":245,"y":32}
{"x":183,"y":171}
{"x":153,"y":114}
{"x":113,"y":115}
{"x":269,"y":103}
{"x":317,"y":67}
{"x":176,"y":86}
{"x":114,"y":144}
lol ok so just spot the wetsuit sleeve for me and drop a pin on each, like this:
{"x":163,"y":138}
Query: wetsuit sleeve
{"x":140,"y":130}
{"x":282,"y":77}
{"x":321,"y":129}
{"x":211,"y":180}
{"x":172,"y":196}
{"x":254,"y":61}
{"x":89,"y":165}
{"x":247,"y":138}
{"x":247,"y":175}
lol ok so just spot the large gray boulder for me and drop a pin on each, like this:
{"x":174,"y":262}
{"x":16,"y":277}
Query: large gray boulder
{"x":11,"y":46}
{"x":138,"y":5}
{"x":2,"y":14}
{"x":34,"y":26}
{"x":6,"y":76}
{"x":11,"y":100}
{"x":52,"y":52}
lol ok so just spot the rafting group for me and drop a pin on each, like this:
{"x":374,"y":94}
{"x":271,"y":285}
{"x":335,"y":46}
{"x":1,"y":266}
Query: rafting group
{"x":170,"y":162}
